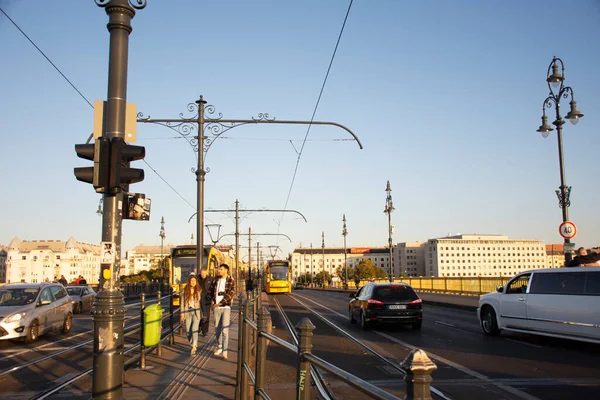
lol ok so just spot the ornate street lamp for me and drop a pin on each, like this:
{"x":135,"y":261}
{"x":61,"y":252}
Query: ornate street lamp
{"x":555,"y":79}
{"x":99,"y":210}
{"x":345,"y":233}
{"x":389,"y":208}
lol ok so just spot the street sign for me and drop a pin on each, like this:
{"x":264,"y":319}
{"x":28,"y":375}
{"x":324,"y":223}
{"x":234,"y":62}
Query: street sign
{"x":569,"y":246}
{"x":567,"y":230}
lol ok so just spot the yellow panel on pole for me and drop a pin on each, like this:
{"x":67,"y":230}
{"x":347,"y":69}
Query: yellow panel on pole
{"x":130,"y":120}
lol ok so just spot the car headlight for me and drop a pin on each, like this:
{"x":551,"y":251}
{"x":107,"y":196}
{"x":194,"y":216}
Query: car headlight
{"x":15,"y":317}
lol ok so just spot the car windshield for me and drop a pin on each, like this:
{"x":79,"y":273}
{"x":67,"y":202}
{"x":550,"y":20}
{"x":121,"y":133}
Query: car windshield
{"x":74,"y":291}
{"x":394,"y":292}
{"x":17,"y":297}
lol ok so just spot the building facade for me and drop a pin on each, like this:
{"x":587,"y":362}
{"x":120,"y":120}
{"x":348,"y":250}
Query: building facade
{"x":482,"y":255}
{"x":314,"y":260}
{"x":555,"y":255}
{"x":144,"y":258}
{"x":40,"y":260}
{"x":409,"y":259}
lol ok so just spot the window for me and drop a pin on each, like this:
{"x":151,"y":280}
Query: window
{"x":558,"y":283}
{"x":519,"y":284}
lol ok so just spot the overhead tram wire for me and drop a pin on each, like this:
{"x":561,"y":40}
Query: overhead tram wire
{"x":315,"y":111}
{"x":83,"y":97}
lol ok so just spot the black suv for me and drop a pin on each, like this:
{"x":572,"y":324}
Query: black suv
{"x":384,"y":303}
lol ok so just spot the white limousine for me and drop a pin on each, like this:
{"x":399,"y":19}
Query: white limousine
{"x":558,"y":302}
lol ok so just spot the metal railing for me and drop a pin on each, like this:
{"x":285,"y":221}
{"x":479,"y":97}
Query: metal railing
{"x":253,"y":337}
{"x":458,"y":285}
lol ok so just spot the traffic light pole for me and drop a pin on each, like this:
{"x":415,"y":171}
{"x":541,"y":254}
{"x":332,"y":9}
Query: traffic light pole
{"x":109,"y":309}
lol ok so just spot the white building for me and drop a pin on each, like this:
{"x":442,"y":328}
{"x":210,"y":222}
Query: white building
{"x":37,"y":260}
{"x":481,"y":255}
{"x":311,"y":260}
{"x":409,"y":259}
{"x":144,"y":258}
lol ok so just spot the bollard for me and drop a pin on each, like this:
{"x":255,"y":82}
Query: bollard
{"x":238,"y":373}
{"x":418,"y":368}
{"x":306,"y":329}
{"x":159,"y":346}
{"x":262,"y":321}
{"x":142,"y":347}
{"x":247,"y":337}
{"x":171,"y":310}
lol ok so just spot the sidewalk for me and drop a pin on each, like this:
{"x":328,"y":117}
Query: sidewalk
{"x":177,"y":375}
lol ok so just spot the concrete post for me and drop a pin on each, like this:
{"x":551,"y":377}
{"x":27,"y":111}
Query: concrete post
{"x":306,"y":329}
{"x":418,"y":368}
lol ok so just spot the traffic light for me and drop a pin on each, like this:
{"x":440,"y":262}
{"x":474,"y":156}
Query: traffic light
{"x":121,"y":154}
{"x":99,"y":154}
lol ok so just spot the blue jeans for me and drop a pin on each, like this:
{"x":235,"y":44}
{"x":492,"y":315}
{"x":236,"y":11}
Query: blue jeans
{"x":222,"y":322}
{"x":192,"y":322}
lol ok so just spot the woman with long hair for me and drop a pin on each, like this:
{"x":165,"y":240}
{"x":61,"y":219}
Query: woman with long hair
{"x":190,"y":310}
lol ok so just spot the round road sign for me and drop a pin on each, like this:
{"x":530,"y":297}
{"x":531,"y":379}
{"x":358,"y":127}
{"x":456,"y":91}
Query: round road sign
{"x":568,"y":230}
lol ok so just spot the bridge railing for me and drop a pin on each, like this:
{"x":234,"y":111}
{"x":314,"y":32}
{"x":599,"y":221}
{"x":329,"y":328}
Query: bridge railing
{"x":449,"y":285}
{"x":251,"y":383}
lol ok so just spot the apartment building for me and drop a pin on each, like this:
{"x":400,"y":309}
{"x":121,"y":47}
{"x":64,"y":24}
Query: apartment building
{"x":482,"y":255}
{"x":37,"y":260}
{"x":144,"y":258}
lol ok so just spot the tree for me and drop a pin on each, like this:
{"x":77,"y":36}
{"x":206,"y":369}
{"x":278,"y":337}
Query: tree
{"x":305,"y":278}
{"x":322,"y":277}
{"x":380,"y":273}
{"x":364,"y":271}
{"x":340,"y":272}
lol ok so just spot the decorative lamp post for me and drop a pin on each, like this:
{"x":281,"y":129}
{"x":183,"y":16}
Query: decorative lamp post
{"x":345,"y":233}
{"x":162,"y":235}
{"x":555,"y":81}
{"x":389,"y":208}
{"x":99,"y":210}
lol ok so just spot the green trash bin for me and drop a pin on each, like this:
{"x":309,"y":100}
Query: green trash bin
{"x":152,"y":324}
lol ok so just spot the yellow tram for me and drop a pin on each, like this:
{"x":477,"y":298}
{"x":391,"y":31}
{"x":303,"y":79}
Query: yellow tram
{"x":278,"y":276}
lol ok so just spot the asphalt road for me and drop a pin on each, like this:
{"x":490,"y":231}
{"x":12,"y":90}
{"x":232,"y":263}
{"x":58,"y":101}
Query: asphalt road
{"x":470,"y":365}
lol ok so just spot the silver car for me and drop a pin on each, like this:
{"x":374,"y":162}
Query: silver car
{"x":28,"y":310}
{"x":83,"y":298}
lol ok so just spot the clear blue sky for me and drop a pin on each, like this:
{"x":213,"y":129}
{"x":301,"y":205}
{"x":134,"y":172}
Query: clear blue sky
{"x":445,"y":96}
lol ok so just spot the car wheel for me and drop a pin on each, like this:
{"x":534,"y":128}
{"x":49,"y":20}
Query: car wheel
{"x":80,"y":307}
{"x":32,"y":332}
{"x":363,"y":320}
{"x":417,"y":325}
{"x":350,"y":316}
{"x":489,"y":323}
{"x":68,"y":324}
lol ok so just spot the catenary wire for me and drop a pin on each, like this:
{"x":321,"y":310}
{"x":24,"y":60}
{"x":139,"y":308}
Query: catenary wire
{"x":313,"y":115}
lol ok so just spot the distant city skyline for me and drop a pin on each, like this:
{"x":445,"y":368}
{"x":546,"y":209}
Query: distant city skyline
{"x":446,"y":101}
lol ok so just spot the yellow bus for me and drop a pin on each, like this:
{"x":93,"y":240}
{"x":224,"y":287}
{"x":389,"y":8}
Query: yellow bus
{"x":182,"y":262}
{"x":278,"y":274}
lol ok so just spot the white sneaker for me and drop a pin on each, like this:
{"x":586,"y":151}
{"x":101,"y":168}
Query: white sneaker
{"x":219,"y":351}
{"x":225,"y":355}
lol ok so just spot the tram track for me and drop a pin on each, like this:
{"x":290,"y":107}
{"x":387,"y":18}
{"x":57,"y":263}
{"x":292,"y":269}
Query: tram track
{"x":369,"y":355}
{"x":56,"y":365}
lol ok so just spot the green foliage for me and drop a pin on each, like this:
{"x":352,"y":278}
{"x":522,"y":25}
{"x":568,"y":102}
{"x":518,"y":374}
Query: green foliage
{"x":323,"y":277}
{"x":341,"y":272}
{"x":306,"y":278}
{"x":147,"y":276}
{"x":380,"y":273}
{"x":364,"y":271}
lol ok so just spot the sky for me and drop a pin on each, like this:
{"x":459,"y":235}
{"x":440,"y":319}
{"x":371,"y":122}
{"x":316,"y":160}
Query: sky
{"x":445,"y":97}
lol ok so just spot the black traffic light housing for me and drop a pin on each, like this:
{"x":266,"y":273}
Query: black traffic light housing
{"x":99,"y":153}
{"x":111,"y":170}
{"x":121,"y":155}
